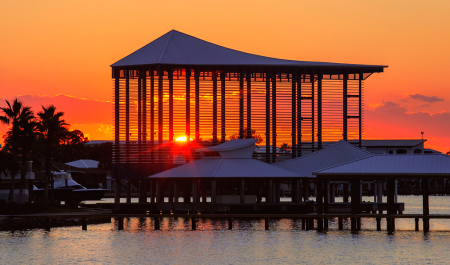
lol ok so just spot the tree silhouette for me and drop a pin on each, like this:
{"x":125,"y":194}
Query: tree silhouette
{"x":254,"y":136}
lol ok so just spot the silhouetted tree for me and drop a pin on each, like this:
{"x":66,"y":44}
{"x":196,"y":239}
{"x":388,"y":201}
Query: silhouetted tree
{"x":52,"y":131}
{"x":254,"y":136}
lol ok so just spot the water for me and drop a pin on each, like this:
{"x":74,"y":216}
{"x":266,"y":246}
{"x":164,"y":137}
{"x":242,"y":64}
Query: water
{"x":248,"y":242}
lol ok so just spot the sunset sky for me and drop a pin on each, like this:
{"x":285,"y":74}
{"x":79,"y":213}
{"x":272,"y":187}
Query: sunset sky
{"x":60,"y":52}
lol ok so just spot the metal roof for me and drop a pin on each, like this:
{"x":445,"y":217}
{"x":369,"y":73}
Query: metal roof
{"x":392,"y":143}
{"x":407,"y":165}
{"x":229,"y":145}
{"x":177,"y":48}
{"x":83,"y":163}
{"x":226,"y":168}
{"x":335,"y":154}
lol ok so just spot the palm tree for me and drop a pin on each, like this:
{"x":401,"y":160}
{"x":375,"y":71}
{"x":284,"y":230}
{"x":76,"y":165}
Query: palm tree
{"x":19,"y":139}
{"x":52,"y":131}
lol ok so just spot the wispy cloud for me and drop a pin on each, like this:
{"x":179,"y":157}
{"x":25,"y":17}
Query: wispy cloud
{"x":426,"y":98}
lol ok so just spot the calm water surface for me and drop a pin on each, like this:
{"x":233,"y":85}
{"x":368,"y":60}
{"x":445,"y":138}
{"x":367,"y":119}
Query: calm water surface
{"x":248,"y":242}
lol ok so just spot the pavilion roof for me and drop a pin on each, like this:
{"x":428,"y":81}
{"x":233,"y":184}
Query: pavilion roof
{"x":226,"y":168}
{"x":393,"y":142}
{"x":388,"y":165}
{"x":333,"y":155}
{"x":177,"y":48}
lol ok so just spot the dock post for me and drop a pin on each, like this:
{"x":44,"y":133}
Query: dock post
{"x":391,"y":204}
{"x":142,"y":192}
{"x":83,"y":224}
{"x":416,"y":221}
{"x":378,"y":224}
{"x":193,"y":223}
{"x":303,"y":223}
{"x":48,"y":224}
{"x":426,"y":208}
{"x":341,"y":223}
{"x":266,"y":223}
{"x":116,"y":191}
{"x":128,"y":191}
{"x":358,"y":223}
{"x":355,"y":202}
{"x":120,"y":223}
{"x":230,"y":223}
{"x":156,"y":223}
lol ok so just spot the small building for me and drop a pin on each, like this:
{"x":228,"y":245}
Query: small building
{"x":399,"y":146}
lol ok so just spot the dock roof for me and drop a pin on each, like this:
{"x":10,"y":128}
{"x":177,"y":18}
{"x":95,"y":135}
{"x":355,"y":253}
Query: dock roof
{"x":226,"y":168}
{"x":332,"y":155}
{"x":177,"y":48}
{"x":392,"y":165}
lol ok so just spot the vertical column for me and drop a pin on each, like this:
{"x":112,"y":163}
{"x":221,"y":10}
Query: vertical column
{"x":242,"y":191}
{"x":319,"y":109}
{"x":170,"y":76}
{"x":152,"y":115}
{"x":294,"y":114}
{"x":176,"y":190}
{"x":426,"y":208}
{"x":274,"y":117}
{"x":213,"y":191}
{"x":116,"y":116}
{"x":355,"y":202}
{"x":313,"y":99}
{"x":197,"y":104}
{"x":188,"y":110}
{"x":222,"y":106}
{"x":144,"y":109}
{"x":268,"y":74}
{"x":160,"y":112}
{"x":391,"y":204}
{"x":127,"y":117}
{"x":345,"y":107}
{"x":214,"y":79}
{"x":249,"y":105}
{"x":139,"y":131}
{"x":319,"y":194}
{"x":360,"y":110}
{"x":241,"y":104}
{"x":299,"y":116}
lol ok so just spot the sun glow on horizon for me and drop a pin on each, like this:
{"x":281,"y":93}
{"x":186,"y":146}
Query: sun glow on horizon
{"x":182,"y":139}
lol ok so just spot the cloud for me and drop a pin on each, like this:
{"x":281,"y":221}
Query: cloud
{"x":426,"y":98}
{"x":392,"y":121}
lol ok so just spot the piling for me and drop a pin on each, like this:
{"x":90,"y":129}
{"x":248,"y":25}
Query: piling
{"x":378,"y":224}
{"x":48,"y":224}
{"x":341,"y":223}
{"x":194,"y":223}
{"x":83,"y":224}
{"x":416,"y":222}
{"x":230,"y":223}
{"x":156,"y":223}
{"x":120,"y":223}
{"x":266,"y":223}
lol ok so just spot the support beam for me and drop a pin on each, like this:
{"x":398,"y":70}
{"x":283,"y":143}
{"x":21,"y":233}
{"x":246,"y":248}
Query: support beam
{"x":391,"y":204}
{"x":360,"y":110}
{"x":319,"y":109}
{"x":222,"y":107}
{"x":249,"y":105}
{"x":214,"y":114}
{"x":345,"y":107}
{"x":160,"y":113}
{"x":242,"y":191}
{"x":241,"y":105}
{"x":117,"y":190}
{"x":268,"y":74}
{"x":312,"y":79}
{"x":294,"y":115}
{"x":426,"y":206}
{"x":116,"y":148}
{"x":355,"y":202}
{"x":119,"y":223}
{"x":299,"y":117}
{"x":127,"y":118}
{"x":188,"y":110}
{"x":83,"y":224}
{"x":152,"y":114}
{"x":197,"y":104}
{"x":274,"y":118}
{"x":213,"y":192}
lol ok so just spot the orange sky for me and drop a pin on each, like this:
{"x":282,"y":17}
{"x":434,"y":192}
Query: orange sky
{"x":61,"y":47}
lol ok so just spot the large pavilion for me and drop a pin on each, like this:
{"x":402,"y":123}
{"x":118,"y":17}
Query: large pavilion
{"x":181,"y":86}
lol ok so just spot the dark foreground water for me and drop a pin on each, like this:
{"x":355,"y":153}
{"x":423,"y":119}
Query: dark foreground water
{"x":248,"y":242}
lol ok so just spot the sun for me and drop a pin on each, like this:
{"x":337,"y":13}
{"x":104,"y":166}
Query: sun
{"x":182,"y":139}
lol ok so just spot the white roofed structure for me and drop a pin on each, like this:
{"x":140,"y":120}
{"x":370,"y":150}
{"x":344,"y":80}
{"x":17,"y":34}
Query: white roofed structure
{"x":333,"y":155}
{"x":83,"y":163}
{"x":232,"y":159}
{"x":427,"y":165}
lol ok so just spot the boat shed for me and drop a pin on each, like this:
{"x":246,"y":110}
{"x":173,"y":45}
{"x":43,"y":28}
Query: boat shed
{"x":227,"y":174}
{"x":389,"y":168}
